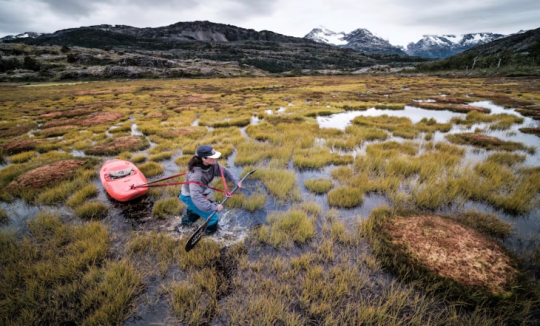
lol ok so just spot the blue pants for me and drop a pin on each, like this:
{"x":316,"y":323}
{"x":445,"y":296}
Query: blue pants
{"x":196,"y":213}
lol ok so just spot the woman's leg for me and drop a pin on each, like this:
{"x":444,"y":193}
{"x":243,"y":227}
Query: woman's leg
{"x":190,"y":217}
{"x":212,"y":225}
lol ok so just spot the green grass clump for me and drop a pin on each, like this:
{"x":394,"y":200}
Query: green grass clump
{"x":502,"y":121}
{"x":315,"y":158}
{"x":391,"y":148}
{"x":487,"y":142}
{"x":124,"y":156}
{"x":164,"y":208}
{"x":151,"y":169}
{"x":345,"y":197}
{"x":319,"y":186}
{"x":507,"y":159}
{"x":22,"y":157}
{"x":139,"y":158}
{"x":279,"y":183}
{"x":254,"y":202}
{"x":161,"y":156}
{"x":284,"y":229}
{"x":91,"y":210}
{"x":80,"y":196}
{"x":60,"y":274}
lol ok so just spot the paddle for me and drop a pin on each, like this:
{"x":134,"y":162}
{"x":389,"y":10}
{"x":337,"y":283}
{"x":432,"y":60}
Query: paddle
{"x":195,"y":237}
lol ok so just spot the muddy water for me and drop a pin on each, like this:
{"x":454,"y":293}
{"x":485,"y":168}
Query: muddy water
{"x":526,"y":227}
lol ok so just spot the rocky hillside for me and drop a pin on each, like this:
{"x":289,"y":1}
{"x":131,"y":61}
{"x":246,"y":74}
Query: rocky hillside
{"x":519,"y":43}
{"x":173,"y":46}
{"x":443,"y":46}
{"x":361,"y":40}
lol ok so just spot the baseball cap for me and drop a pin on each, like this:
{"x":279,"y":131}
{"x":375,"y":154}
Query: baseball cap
{"x":207,"y":151}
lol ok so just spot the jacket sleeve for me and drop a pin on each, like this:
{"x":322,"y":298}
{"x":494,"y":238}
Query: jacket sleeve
{"x":227,"y":173}
{"x":196,"y":193}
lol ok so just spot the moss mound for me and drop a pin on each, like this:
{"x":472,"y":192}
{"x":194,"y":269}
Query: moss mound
{"x":453,"y":251}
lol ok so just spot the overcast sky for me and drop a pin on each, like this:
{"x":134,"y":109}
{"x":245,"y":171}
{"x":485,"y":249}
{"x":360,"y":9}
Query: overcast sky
{"x":399,"y":21}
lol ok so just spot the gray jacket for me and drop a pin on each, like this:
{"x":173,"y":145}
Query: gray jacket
{"x":205,"y":176}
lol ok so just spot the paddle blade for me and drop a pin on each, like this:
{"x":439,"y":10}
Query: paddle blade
{"x":196,"y":237}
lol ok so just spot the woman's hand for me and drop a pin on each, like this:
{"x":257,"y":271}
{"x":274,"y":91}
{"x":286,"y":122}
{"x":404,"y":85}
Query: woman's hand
{"x":239,"y":184}
{"x":219,"y":208}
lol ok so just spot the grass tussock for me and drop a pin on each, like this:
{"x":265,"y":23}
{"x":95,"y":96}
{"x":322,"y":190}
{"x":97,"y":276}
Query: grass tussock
{"x":80,"y":196}
{"x":22,"y":157}
{"x":91,"y":210}
{"x":319,"y":186}
{"x":488,"y":142}
{"x":345,"y":197}
{"x":284,"y":229}
{"x":161,"y":156}
{"x":64,"y":268}
{"x":139,"y":158}
{"x":164,"y":208}
{"x":151,"y":169}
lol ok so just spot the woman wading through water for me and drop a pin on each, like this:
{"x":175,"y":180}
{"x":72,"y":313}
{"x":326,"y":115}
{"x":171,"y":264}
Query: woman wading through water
{"x":202,"y":168}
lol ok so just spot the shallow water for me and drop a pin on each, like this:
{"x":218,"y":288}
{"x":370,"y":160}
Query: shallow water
{"x":527,"y":226}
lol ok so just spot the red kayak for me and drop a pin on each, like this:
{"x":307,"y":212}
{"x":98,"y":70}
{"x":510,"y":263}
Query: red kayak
{"x":119,"y":179}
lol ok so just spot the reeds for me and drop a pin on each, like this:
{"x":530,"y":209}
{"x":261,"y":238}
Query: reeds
{"x":22,"y":157}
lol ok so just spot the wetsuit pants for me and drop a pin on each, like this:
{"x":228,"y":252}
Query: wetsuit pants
{"x":196,"y":213}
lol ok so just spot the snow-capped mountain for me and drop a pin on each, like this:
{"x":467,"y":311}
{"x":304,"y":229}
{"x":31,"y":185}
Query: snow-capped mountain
{"x":23,"y":35}
{"x":361,"y":40}
{"x":322,"y":34}
{"x":442,"y":46}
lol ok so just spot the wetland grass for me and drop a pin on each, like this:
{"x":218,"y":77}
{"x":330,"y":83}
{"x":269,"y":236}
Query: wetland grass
{"x":80,"y":196}
{"x":161,"y":156}
{"x":164,"y":208}
{"x":345,"y":197}
{"x":285,"y":228}
{"x":151,"y":169}
{"x":22,"y":157}
{"x":68,"y":272}
{"x":139,"y":158}
{"x":91,"y":210}
{"x":319,"y":186}
{"x":488,"y":142}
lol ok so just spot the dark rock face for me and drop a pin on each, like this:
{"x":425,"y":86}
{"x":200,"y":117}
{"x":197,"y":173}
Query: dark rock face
{"x":442,"y":46}
{"x":190,"y":31}
{"x":21,"y":36}
{"x":361,"y":40}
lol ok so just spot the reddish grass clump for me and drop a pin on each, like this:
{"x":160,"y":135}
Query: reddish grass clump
{"x":20,"y":146}
{"x":118,"y":145}
{"x":70,"y":113}
{"x":451,"y":250}
{"x":46,"y":175}
{"x":94,"y":119}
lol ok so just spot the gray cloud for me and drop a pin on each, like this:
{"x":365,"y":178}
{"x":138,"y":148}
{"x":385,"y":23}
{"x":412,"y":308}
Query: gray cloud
{"x":400,"y":21}
{"x":474,"y":16}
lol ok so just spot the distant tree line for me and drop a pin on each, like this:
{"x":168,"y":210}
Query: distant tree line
{"x":471,"y":60}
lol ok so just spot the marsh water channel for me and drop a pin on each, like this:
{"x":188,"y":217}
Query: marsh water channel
{"x":235,"y":224}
